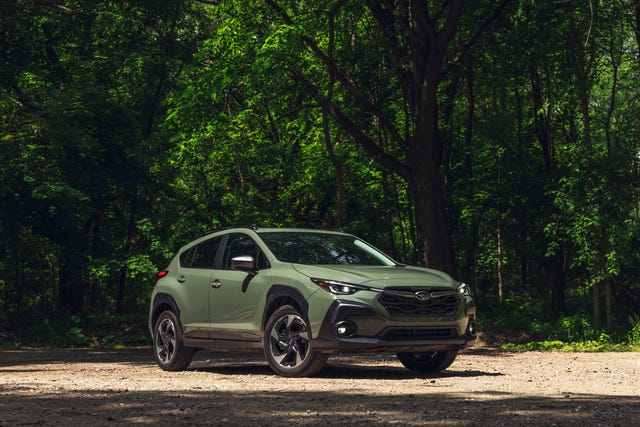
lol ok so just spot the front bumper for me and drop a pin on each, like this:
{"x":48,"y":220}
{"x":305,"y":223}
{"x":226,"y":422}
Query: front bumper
{"x":357,"y":327}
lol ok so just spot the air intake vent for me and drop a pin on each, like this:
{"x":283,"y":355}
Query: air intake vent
{"x":409,"y":334}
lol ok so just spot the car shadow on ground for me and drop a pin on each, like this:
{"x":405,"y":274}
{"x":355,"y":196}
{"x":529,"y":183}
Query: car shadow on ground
{"x":338,"y":367}
{"x":233,"y":363}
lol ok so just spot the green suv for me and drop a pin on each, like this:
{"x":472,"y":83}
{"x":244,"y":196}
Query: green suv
{"x":301,"y":295}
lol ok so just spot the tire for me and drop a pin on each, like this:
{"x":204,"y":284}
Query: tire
{"x":436,"y":361}
{"x":287,"y":345}
{"x":169,"y":350}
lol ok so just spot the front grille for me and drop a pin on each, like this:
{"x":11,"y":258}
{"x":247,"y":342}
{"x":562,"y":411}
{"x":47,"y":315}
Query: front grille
{"x":409,"y":306}
{"x":419,"y":333}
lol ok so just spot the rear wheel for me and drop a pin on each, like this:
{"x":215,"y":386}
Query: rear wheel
{"x":169,"y":350}
{"x":436,"y":361}
{"x":287,"y":345}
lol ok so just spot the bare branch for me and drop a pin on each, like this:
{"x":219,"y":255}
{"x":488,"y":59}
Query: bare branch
{"x":423,"y":25}
{"x":374,"y":150}
{"x":383,"y":14}
{"x":57,"y":6}
{"x":481,"y":29}
{"x":451,"y":24}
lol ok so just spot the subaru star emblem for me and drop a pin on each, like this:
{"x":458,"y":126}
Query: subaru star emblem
{"x":423,"y":296}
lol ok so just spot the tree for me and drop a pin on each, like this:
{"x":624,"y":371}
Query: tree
{"x":82,"y":100}
{"x":416,"y":36}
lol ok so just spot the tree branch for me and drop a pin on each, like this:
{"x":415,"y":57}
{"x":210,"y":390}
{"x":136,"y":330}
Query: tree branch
{"x":450,"y":25}
{"x":374,"y":150}
{"x":494,"y":17}
{"x":345,"y":81}
{"x":209,"y":2}
{"x":383,"y":14}
{"x":58,"y":6}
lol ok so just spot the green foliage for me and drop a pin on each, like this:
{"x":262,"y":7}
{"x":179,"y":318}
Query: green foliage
{"x":90,"y":329}
{"x":574,"y":328}
{"x":126,"y":128}
{"x":602,"y":345}
{"x":633,"y":338}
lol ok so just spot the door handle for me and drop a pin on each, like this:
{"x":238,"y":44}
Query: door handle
{"x":216,"y":284}
{"x":181,"y":279}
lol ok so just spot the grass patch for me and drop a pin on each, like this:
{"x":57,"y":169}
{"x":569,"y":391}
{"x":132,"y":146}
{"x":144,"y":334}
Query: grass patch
{"x":91,"y":330}
{"x":586,"y":346}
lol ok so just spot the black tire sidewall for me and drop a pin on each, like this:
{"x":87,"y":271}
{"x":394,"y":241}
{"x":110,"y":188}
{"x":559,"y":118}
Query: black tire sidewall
{"x":440,"y":361}
{"x":312,"y":363}
{"x":182,"y":355}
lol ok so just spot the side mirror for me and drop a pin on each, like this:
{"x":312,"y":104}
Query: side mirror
{"x":244,"y":263}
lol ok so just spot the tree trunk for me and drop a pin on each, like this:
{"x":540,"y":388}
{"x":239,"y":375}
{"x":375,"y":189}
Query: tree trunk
{"x":432,"y":222}
{"x":71,"y":293}
{"x":500,"y":281}
{"x":597,"y":311}
{"x":425,"y":151}
{"x":582,"y":84}
{"x":637,"y":24}
{"x":335,"y":161}
{"x":124,"y":270}
{"x":541,"y":118}
{"x":557,"y":280}
{"x":609,"y":303}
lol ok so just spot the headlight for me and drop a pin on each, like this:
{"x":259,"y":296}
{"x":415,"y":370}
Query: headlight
{"x":464,"y":289}
{"x":338,"y":288}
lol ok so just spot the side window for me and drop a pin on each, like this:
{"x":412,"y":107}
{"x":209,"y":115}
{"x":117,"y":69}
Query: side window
{"x":187,"y":256}
{"x":241,"y":244}
{"x":202,"y":255}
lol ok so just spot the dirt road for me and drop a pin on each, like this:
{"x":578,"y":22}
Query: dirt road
{"x":482,"y":387}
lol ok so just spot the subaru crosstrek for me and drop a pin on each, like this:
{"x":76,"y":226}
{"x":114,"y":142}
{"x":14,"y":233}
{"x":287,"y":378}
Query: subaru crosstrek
{"x":301,"y":295}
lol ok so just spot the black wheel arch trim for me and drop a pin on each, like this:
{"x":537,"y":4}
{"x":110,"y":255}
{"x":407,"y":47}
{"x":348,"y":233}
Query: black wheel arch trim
{"x":283,"y":291}
{"x":161,"y":299}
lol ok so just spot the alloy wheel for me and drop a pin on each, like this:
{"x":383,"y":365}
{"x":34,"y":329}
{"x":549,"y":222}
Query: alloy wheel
{"x":166,"y":340}
{"x":289,"y":341}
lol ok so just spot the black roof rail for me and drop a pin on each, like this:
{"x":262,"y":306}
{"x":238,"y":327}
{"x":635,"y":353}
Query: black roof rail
{"x":336,"y":230}
{"x":215,"y":230}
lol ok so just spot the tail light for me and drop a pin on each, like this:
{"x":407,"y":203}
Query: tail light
{"x":160,"y":274}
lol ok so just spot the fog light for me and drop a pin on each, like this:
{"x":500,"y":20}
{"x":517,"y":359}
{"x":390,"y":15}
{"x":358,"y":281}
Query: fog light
{"x":471,"y":328}
{"x":344,"y":329}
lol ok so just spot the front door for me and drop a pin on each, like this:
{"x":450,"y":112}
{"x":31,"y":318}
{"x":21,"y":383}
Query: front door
{"x":237,"y":297}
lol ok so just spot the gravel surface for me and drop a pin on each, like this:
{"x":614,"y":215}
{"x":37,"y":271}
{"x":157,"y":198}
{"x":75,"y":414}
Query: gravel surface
{"x":483,"y":387}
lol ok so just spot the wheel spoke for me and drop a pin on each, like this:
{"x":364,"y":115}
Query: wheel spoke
{"x":280,"y":357}
{"x":277,"y":338}
{"x":289,"y":321}
{"x":299,"y":357}
{"x":165,"y":341}
{"x":289,"y":341}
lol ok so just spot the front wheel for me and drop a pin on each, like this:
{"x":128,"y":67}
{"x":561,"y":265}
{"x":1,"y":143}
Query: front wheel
{"x":169,"y":350}
{"x":287,"y":345}
{"x":436,"y":361}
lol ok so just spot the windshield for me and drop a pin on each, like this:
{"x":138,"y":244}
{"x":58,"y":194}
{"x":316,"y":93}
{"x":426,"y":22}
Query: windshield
{"x":323,"y":248}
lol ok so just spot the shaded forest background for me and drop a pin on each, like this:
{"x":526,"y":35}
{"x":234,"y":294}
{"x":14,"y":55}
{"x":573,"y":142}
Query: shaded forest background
{"x":128,"y":127}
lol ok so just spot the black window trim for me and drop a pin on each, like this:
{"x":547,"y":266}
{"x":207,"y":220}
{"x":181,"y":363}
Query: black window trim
{"x":194,"y":250}
{"x":220,"y":254}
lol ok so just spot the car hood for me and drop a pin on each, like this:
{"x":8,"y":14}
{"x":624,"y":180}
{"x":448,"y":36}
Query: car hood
{"x":380,"y":277}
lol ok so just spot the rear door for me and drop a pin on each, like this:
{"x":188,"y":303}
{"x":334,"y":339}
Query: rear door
{"x":194,"y":275}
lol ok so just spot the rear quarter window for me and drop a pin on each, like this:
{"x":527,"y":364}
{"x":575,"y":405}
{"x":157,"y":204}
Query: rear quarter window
{"x":202,"y":255}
